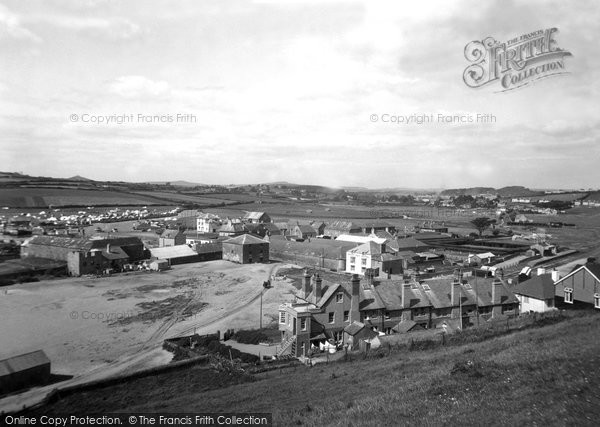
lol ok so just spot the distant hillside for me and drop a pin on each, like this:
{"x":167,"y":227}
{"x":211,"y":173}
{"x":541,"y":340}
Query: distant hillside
{"x":79,"y":178}
{"x":178,"y":183}
{"x":473,"y":191}
{"x":516,"y":191}
{"x":512,"y":191}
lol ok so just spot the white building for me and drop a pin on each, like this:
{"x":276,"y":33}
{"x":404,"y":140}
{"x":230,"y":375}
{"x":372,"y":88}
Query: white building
{"x":207,"y":223}
{"x":536,"y":294}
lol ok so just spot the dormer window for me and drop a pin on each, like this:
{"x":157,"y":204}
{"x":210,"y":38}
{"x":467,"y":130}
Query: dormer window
{"x":339,"y":297}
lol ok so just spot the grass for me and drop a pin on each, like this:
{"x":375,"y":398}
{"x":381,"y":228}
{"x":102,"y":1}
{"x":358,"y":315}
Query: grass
{"x":547,"y":375}
{"x":42,"y":197}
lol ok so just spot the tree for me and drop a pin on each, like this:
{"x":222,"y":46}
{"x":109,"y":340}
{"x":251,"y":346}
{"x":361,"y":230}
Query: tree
{"x":481,"y":224}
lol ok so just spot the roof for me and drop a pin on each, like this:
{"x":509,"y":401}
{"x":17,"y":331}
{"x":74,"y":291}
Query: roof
{"x":360,"y":238}
{"x":377,"y":224}
{"x":327,"y":248}
{"x":254,"y":215}
{"x":168,"y":252}
{"x":539,"y":287}
{"x":115,"y":253}
{"x":23,"y":362}
{"x":245,"y":239}
{"x":369,"y":248}
{"x":485,"y":255}
{"x":200,"y":236}
{"x":81,"y":243}
{"x":306,"y":229}
{"x":405,"y":326}
{"x":342,"y":225}
{"x":591,"y":267}
{"x":170,"y":234}
{"x":406,"y":243}
{"x":354,"y":328}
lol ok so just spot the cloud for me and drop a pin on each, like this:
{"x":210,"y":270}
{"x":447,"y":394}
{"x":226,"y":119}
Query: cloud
{"x":138,"y":87}
{"x":11,"y":27}
{"x":113,"y":27}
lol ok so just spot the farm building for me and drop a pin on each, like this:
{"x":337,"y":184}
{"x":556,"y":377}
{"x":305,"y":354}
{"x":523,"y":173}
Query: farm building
{"x":171,"y":238}
{"x":304,"y":231}
{"x":323,"y":253}
{"x":256,"y":217}
{"x":181,"y":254}
{"x":24,"y":371}
{"x":337,"y":228}
{"x":86,"y":255}
{"x":246,"y":249}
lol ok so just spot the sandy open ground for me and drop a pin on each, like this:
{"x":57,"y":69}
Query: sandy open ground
{"x":97,"y":327}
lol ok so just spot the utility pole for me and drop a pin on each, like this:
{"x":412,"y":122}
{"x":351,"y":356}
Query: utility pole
{"x":261,"y":313}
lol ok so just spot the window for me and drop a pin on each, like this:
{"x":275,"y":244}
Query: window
{"x":339,"y":297}
{"x":363,"y":261}
{"x":346,"y":316}
{"x":352,"y":260}
{"x":525,"y":300}
{"x":352,"y":267}
{"x":282,"y":317}
{"x":596,"y":300}
{"x":331,"y":317}
{"x":303,"y":324}
{"x":387,"y":315}
{"x":569,"y":295}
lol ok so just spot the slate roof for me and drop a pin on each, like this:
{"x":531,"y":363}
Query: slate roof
{"x":539,"y":287}
{"x":354,"y":328}
{"x":407,"y":243}
{"x":82,"y":243}
{"x":115,"y":253}
{"x":405,"y":326}
{"x":328,"y":248}
{"x":342,"y":226}
{"x":306,"y":229}
{"x":245,"y":239}
{"x":253,"y":215}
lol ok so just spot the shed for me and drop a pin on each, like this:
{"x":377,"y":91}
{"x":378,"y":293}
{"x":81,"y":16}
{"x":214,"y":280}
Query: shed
{"x":23,"y":371}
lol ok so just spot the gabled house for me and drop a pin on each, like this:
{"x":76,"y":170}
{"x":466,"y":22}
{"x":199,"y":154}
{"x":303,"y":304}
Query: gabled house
{"x":256,"y":217}
{"x":580,"y":288}
{"x":304,"y":231}
{"x":231,"y":229}
{"x":171,"y":238}
{"x":207,"y":223}
{"x":483,"y":258}
{"x":536,"y":294}
{"x":372,"y":255}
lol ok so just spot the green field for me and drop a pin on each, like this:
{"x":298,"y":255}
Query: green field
{"x":43,"y":197}
{"x":544,"y":375}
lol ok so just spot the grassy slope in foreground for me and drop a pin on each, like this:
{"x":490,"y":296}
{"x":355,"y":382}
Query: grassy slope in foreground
{"x":548,"y":375}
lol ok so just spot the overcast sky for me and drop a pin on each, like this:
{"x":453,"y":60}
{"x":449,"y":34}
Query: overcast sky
{"x":285,"y":90}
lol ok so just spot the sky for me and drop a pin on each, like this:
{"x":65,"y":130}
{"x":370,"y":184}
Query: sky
{"x":310,"y":92}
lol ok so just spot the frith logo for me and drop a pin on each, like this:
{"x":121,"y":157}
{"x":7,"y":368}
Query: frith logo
{"x":516,"y":62}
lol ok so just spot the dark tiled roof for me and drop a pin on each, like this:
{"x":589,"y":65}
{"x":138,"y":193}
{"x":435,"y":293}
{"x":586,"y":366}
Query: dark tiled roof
{"x":539,"y":287}
{"x":354,"y":328}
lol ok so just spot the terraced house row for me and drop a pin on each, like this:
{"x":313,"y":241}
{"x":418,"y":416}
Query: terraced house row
{"x":343,"y":311}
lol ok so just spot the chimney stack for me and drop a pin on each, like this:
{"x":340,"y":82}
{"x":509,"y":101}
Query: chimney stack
{"x":355,"y":300}
{"x":317,"y":288}
{"x":555,"y":275}
{"x":496,"y":297}
{"x":540,"y":271}
{"x":306,"y":284}
{"x":455,"y":297}
{"x":405,"y":295}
